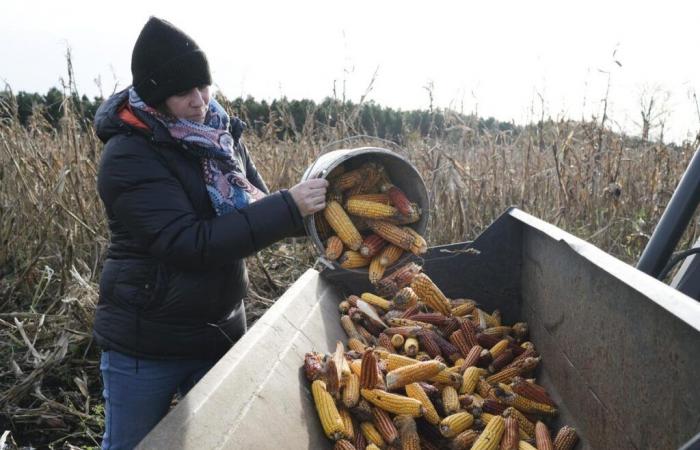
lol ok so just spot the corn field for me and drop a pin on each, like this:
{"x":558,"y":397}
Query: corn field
{"x":580,"y":176}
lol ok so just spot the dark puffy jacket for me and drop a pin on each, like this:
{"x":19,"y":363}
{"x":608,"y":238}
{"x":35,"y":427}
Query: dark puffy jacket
{"x":174,"y":272}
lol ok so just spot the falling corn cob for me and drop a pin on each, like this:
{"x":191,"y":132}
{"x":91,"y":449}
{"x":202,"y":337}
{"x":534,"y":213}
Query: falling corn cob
{"x":414,"y":390}
{"x":393,"y":403}
{"x":427,"y":291}
{"x":490,"y":438}
{"x":454,"y":424}
{"x":566,"y":438}
{"x":330,"y":418}
{"x":405,"y":298}
{"x":342,"y":225}
{"x":400,"y":236}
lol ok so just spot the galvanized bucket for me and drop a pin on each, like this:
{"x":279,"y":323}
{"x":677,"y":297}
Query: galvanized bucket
{"x":401,"y":172}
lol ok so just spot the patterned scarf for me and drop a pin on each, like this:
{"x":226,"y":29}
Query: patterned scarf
{"x":222,"y":163}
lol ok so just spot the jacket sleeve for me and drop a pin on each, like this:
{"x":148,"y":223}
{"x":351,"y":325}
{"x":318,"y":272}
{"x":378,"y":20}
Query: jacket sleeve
{"x":140,"y":192}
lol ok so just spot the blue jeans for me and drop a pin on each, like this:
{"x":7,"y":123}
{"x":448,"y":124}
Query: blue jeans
{"x":138,"y":393}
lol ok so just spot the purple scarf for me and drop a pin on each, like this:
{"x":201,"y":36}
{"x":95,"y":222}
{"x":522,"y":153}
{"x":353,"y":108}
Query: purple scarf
{"x":222,"y":163}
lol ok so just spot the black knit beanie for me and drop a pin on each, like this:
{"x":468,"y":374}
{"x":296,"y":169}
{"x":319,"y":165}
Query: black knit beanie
{"x":166,"y":61}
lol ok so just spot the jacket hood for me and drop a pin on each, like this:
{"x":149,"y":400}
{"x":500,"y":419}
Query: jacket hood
{"x":108,"y":123}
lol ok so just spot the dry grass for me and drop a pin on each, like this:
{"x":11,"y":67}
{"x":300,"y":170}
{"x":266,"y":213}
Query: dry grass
{"x":576,"y":175}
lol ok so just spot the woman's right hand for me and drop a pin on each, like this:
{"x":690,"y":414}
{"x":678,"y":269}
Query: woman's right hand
{"x":310,"y":196}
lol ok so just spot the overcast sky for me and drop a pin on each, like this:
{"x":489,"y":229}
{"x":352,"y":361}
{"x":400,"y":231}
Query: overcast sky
{"x":494,"y":57}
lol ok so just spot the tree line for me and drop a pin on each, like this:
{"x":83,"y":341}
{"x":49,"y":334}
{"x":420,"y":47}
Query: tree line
{"x":286,"y":118}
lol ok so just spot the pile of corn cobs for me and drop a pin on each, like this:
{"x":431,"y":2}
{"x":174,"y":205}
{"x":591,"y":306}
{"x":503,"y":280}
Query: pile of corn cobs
{"x":424,"y":372}
{"x":364,"y":200}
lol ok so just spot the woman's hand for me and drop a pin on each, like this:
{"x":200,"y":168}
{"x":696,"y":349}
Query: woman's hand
{"x":310,"y":196}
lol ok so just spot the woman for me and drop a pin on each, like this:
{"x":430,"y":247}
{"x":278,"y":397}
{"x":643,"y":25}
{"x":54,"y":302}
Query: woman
{"x":185,"y":204}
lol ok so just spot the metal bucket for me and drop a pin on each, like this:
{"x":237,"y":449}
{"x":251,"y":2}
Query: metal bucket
{"x":401,"y":172}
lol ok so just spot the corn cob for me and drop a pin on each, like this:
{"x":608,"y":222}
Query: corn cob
{"x":499,"y":348}
{"x":543,"y":439}
{"x":397,"y":341}
{"x":428,"y":344}
{"x":342,"y":225}
{"x":492,"y":406}
{"x":464,"y":440}
{"x":375,"y":270}
{"x":344,"y":445}
{"x":398,"y":199}
{"x":511,"y":371}
{"x":349,"y":179}
{"x":377,"y":301}
{"x":390,"y":254}
{"x":520,"y":330}
{"x":422,"y":357}
{"x":414,"y":390}
{"x":454,"y":424}
{"x":384,"y":341}
{"x":451,"y":325}
{"x":376,"y":198}
{"x":406,"y":219}
{"x":349,"y":430}
{"x":469,"y":331}
{"x":330,"y":418}
{"x":470,"y":378}
{"x":501,"y":361}
{"x":401,"y":322}
{"x":356,"y":345}
{"x":483,"y":388}
{"x":491,"y":436}
{"x":332,"y":379}
{"x":500,"y":332}
{"x":457,"y":339}
{"x":526,"y":405}
{"x":370,"y":210}
{"x":356,"y":367}
{"x":406,"y":332}
{"x":532,"y":391}
{"x":313,"y":366}
{"x":396,"y":235}
{"x":372,"y":447}
{"x":411,"y":346}
{"x":433,"y":318}
{"x":419,"y":245}
{"x":400,"y":278}
{"x":450,"y":400}
{"x":472,"y":357}
{"x":372,"y":174}
{"x":372,"y":434}
{"x":393,"y":403}
{"x":352,"y":260}
{"x":464,"y":308}
{"x":410,"y":311}
{"x":360,"y":442}
{"x":427,"y":291}
{"x":370,"y":374}
{"x":372,"y":245}
{"x":477,"y":400}
{"x":524,"y":445}
{"x":566,"y":438}
{"x":334,"y":248}
{"x":407,"y":432}
{"x":511,"y":436}
{"x":366,"y":335}
{"x":323,"y":229}
{"x":383,"y":423}
{"x":351,"y":390}
{"x":446,"y":347}
{"x":524,"y":423}
{"x":405,"y":298}
{"x":421,"y":371}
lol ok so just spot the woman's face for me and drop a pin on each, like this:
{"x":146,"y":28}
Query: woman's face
{"x":191,"y":104}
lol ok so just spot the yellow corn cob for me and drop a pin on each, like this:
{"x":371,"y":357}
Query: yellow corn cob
{"x":383,"y":424}
{"x":543,"y":439}
{"x":397,"y":341}
{"x":450,"y":400}
{"x":376,"y":198}
{"x":353,"y":260}
{"x":566,"y":438}
{"x":393,"y":403}
{"x":389,"y":255}
{"x":464,"y":308}
{"x":421,"y":371}
{"x":504,"y":375}
{"x":331,"y":421}
{"x":427,"y":291}
{"x":348,"y":179}
{"x":356,"y":366}
{"x":511,"y":436}
{"x":349,"y":327}
{"x":377,"y":301}
{"x":370,"y":210}
{"x":356,"y":345}
{"x":499,"y":348}
{"x":524,"y":423}
{"x":334,"y":248}
{"x":523,"y":445}
{"x":470,"y":378}
{"x":344,"y":445}
{"x":454,"y":424}
{"x":372,"y":447}
{"x":493,"y":319}
{"x":323,"y":229}
{"x":419,"y":245}
{"x":376,"y":270}
{"x":410,"y":346}
{"x":372,"y":434}
{"x":483,"y":388}
{"x":342,"y":225}
{"x":372,"y":174}
{"x":407,"y":432}
{"x":349,"y":432}
{"x":464,"y":440}
{"x":490,"y":438}
{"x":392,"y":233}
{"x":414,"y":390}
{"x":501,"y":331}
{"x":351,"y":390}
{"x":528,"y":406}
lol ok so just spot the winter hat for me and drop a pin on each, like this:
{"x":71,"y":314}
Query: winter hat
{"x":166,"y":61}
